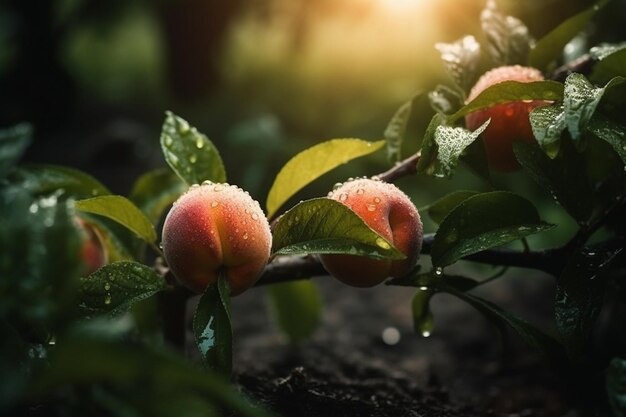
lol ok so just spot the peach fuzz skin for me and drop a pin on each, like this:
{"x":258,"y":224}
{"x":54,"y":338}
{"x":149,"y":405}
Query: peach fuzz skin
{"x":213,"y":227}
{"x":509,"y":121}
{"x":388,"y":211}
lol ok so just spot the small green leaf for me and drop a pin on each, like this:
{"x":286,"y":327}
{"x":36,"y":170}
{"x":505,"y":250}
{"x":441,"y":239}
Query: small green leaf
{"x":156,"y":190}
{"x":13,"y":143}
{"x":612,"y":62}
{"x":47,"y":179}
{"x":548,"y":122}
{"x":115,"y":287}
{"x":550,"y":47}
{"x":423,"y":321}
{"x":507,"y":91}
{"x":461,"y":60}
{"x":442,"y":207}
{"x":395,"y":131}
{"x":581,"y":101}
{"x":426,"y":163}
{"x":323,"y":225}
{"x":508,"y":41}
{"x":451,"y":143}
{"x":616,"y":386}
{"x":311,"y":163}
{"x":484,"y":221}
{"x":564,"y":177}
{"x":212,"y":328}
{"x":297,"y":308}
{"x":444,"y":99}
{"x":612,"y":132}
{"x":192,"y":156}
{"x":579,"y":297}
{"x":121,"y":210}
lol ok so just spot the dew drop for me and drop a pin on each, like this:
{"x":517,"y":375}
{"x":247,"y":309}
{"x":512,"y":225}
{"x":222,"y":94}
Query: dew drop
{"x":426,"y":333}
{"x":199,"y":143}
{"x":245,"y":236}
{"x":343,"y":197}
{"x":254,"y":216}
{"x":194,"y":186}
{"x":439,"y":271}
{"x":193,"y":158}
{"x":376,"y":200}
{"x":107,"y":299}
{"x":207,"y":182}
{"x":382,"y":243}
{"x":371,"y":207}
{"x":107,"y":286}
{"x":218,"y":188}
{"x":168,"y":141}
{"x":360,"y":191}
{"x":337,"y":185}
{"x":423,"y":288}
{"x":214,"y":204}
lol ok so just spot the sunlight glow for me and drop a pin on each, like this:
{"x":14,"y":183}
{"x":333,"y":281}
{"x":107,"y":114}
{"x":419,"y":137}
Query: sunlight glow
{"x":399,"y":6}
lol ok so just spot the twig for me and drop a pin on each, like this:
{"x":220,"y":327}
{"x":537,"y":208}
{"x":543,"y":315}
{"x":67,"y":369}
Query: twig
{"x":588,"y":229}
{"x":401,"y":169}
{"x":583,"y":64}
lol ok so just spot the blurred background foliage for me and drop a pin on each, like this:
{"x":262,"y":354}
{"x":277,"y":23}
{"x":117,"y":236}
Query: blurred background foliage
{"x":263,"y":78}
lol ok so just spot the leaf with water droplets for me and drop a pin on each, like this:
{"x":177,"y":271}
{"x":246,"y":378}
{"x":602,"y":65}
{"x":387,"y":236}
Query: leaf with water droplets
{"x":484,"y":221}
{"x":296,"y":307}
{"x":13,"y":143}
{"x":461,"y":60}
{"x":564,"y":177}
{"x":612,"y":132}
{"x":47,"y":179}
{"x":580,"y":295}
{"x":122,"y":211}
{"x":326,"y":226}
{"x":312,"y":163}
{"x":192,"y":156}
{"x":445,"y":100}
{"x":115,"y":287}
{"x":612,"y":62}
{"x":548,"y":122}
{"x":440,"y":208}
{"x":451,"y":143}
{"x":550,"y":47}
{"x":616,"y":386}
{"x":156,"y":190}
{"x":212,"y":328}
{"x":396,"y":129}
{"x":508,"y":40}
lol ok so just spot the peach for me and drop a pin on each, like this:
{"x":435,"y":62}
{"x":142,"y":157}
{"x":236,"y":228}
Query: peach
{"x":214,"y":227}
{"x":92,"y":250}
{"x":389,"y":212}
{"x":509,"y":121}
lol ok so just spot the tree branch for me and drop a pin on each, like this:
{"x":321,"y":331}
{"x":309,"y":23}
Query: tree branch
{"x":401,"y":169}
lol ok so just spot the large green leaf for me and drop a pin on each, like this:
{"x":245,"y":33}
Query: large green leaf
{"x":508,"y":41}
{"x":579,"y":297}
{"x":451,"y":143}
{"x":190,"y":153}
{"x":612,"y":132}
{"x":156,"y":190}
{"x":461,"y":60}
{"x":13,"y":143}
{"x":395,"y":131}
{"x":117,"y":286}
{"x":612,"y":62}
{"x":311,"y":163}
{"x":323,"y":225}
{"x":483,"y":221}
{"x":47,"y":179}
{"x":121,"y":210}
{"x":212,"y":328}
{"x":581,"y":101}
{"x":297,"y":308}
{"x":548,"y":122}
{"x":444,"y":99}
{"x":507,"y":91}
{"x":616,"y":386}
{"x":565,"y":177}
{"x":442,"y":207}
{"x":550,"y":47}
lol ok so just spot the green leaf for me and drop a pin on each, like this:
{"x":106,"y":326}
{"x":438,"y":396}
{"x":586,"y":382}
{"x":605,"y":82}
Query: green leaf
{"x":156,"y":190}
{"x":484,"y":221}
{"x":115,"y":287}
{"x":564,"y":177}
{"x":121,"y":210}
{"x":579,"y":297}
{"x":423,"y":321}
{"x":612,"y":62}
{"x":444,"y":99}
{"x":475,"y":158}
{"x":616,"y":386}
{"x":212,"y":328}
{"x":395,"y":131}
{"x":507,"y":91}
{"x":451,"y":143}
{"x":461,"y":60}
{"x":442,"y":207}
{"x":550,"y":47}
{"x":534,"y":337}
{"x":548,"y":122}
{"x":297,"y":308}
{"x":13,"y":143}
{"x":323,"y":225}
{"x":426,"y":163}
{"x":192,"y":156}
{"x":311,"y":163}
{"x":508,"y":41}
{"x":47,"y":179}
{"x":581,"y":101}
{"x":612,"y":132}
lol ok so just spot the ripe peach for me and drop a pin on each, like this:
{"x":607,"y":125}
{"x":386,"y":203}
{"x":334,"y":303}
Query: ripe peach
{"x":389,"y":212}
{"x":215,"y":227}
{"x":509,"y":121}
{"x":92,"y":251}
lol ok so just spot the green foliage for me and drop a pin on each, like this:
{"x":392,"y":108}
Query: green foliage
{"x":13,"y":143}
{"x":327,"y":226}
{"x":451,"y":143}
{"x":155,"y":191}
{"x":508,"y":40}
{"x":297,"y":308}
{"x":616,"y":386}
{"x":442,"y":207}
{"x":46,"y":179}
{"x":612,"y":62}
{"x":312,"y":163}
{"x":396,"y":130}
{"x":461,"y":60}
{"x":212,"y":328}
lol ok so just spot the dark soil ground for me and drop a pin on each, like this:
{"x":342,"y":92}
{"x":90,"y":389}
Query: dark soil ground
{"x":346,"y":369}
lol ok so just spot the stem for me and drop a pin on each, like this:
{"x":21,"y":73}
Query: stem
{"x":588,"y":229}
{"x":582,"y":64}
{"x":401,"y":169}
